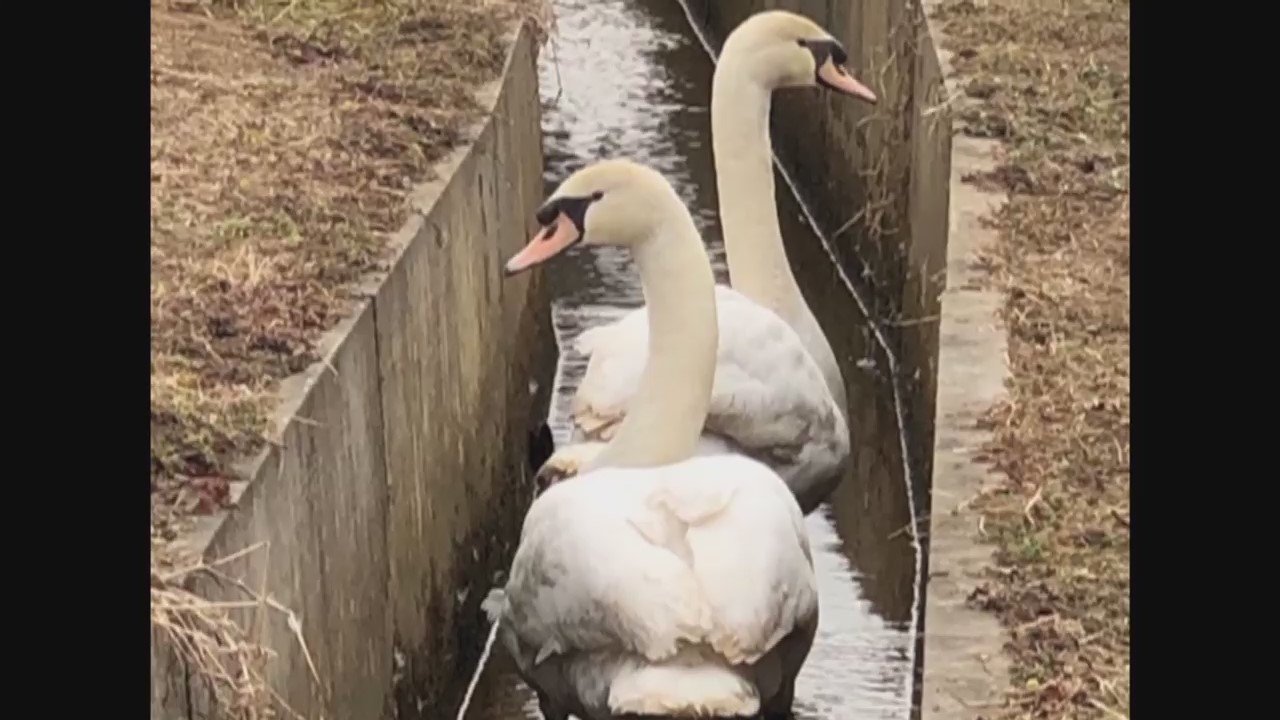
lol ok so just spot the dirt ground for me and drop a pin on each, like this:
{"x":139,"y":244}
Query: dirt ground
{"x":285,"y":138}
{"x":1050,"y":79}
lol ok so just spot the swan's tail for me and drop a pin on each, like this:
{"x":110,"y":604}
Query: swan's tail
{"x":680,"y":688}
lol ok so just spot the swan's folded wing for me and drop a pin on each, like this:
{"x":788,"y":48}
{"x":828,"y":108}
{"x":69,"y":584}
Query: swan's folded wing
{"x":745,"y":540}
{"x":616,"y":356}
{"x":592,"y":338}
{"x":709,"y":550}
{"x":769,"y":395}
{"x":585,"y":579}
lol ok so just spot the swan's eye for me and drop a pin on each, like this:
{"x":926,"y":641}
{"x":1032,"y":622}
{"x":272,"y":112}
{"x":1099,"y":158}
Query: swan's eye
{"x":823,"y":50}
{"x":596,"y":195}
{"x":838,"y":53}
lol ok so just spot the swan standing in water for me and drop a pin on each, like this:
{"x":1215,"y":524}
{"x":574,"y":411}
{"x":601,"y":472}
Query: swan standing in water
{"x":657,"y":583}
{"x":779,"y":395}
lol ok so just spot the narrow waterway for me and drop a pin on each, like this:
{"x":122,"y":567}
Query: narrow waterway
{"x":629,"y":77}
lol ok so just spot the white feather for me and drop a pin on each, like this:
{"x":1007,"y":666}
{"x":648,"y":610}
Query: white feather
{"x":624,"y":569}
{"x":769,"y":398}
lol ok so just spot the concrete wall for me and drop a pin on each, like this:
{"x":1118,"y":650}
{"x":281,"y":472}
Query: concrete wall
{"x":399,"y":476}
{"x":966,"y":672}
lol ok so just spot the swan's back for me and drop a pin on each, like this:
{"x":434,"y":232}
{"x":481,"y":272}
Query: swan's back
{"x":769,"y":397}
{"x":646,"y":558}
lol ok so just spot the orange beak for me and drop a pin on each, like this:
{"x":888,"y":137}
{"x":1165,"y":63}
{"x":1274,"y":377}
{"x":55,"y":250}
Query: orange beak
{"x":839,"y":79}
{"x":546,"y":244}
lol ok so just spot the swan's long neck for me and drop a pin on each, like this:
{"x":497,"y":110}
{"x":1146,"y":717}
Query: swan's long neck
{"x":757,"y":259}
{"x":758,"y":266}
{"x":666,"y":417}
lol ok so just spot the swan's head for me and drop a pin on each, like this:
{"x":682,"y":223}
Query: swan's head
{"x":610,"y":202}
{"x":781,"y":49}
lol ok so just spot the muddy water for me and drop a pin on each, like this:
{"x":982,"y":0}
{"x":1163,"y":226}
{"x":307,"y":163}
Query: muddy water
{"x":628,"y":77}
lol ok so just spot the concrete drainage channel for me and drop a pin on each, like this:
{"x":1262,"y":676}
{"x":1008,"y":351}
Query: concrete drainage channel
{"x":887,"y":267}
{"x":402,"y":512}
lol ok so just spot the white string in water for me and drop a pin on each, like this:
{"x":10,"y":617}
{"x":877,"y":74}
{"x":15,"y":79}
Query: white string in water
{"x":475,"y":677}
{"x":894,"y":379}
{"x":900,"y":413}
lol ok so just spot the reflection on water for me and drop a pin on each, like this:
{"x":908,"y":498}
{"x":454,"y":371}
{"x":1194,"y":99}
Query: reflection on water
{"x":629,"y":79}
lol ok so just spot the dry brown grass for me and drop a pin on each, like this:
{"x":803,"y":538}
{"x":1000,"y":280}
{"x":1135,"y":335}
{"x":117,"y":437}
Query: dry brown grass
{"x":286,"y":136}
{"x":1050,"y":79}
{"x":226,"y":658}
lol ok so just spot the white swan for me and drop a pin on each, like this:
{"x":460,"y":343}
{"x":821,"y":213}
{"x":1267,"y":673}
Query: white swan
{"x":654,"y":583}
{"x":779,"y":395}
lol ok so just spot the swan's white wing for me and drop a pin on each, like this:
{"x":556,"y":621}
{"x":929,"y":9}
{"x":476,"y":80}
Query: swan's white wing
{"x":616,"y":355}
{"x":749,"y":550}
{"x":712,"y":550}
{"x":769,"y":396}
{"x":584,"y":579}
{"x":768,"y":392}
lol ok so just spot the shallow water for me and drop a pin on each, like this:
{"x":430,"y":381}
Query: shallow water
{"x":630,"y":78}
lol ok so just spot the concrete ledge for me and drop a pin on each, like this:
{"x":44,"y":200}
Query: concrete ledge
{"x":398,"y":471}
{"x":965,"y":668}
